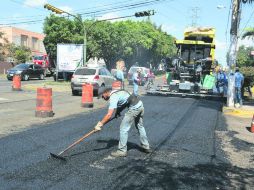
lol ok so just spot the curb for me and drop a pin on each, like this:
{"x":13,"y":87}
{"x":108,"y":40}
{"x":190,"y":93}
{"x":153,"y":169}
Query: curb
{"x":238,"y":112}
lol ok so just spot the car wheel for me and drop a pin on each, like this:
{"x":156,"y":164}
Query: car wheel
{"x":75,"y":92}
{"x":26,"y":77}
{"x":41,"y":76}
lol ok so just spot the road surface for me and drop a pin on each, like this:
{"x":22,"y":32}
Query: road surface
{"x":186,"y":152}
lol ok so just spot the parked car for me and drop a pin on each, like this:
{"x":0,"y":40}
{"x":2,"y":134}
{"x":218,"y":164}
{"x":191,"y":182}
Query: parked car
{"x":144,"y":72}
{"x":99,"y":77}
{"x":27,"y":71}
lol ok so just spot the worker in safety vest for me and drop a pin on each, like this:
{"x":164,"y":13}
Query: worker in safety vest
{"x":118,"y":101}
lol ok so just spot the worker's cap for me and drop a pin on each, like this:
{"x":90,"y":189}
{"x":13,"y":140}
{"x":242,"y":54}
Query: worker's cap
{"x":102,"y":90}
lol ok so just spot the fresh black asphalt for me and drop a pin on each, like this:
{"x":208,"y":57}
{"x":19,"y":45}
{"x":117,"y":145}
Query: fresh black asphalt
{"x":186,"y":153}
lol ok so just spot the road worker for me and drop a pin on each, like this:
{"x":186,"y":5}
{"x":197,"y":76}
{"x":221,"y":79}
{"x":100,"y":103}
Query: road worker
{"x":239,"y":80}
{"x":118,"y":101}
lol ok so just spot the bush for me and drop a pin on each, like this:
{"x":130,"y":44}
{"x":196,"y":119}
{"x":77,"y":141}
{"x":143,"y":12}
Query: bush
{"x":248,"y":73}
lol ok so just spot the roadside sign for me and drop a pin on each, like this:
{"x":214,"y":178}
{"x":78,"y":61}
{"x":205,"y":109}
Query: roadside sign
{"x":69,"y":56}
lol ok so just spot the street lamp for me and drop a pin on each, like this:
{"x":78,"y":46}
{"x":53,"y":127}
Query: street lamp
{"x":59,"y":11}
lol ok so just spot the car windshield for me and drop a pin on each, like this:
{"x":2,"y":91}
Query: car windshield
{"x":38,"y":57}
{"x":85,"y":71}
{"x":21,"y":66}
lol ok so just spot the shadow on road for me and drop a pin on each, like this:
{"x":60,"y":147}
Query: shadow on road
{"x":159,"y":175}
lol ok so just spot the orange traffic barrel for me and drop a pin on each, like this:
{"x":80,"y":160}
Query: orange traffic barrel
{"x":16,"y":83}
{"x":87,"y":95}
{"x":252,"y":125}
{"x":44,"y":103}
{"x":117,"y":85}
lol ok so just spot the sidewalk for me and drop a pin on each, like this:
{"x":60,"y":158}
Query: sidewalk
{"x":236,"y":140}
{"x":246,"y":111}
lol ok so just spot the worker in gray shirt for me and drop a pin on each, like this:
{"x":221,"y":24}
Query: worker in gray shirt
{"x":118,"y":101}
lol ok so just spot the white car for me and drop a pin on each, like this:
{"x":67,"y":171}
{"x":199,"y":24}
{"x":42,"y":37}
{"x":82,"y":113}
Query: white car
{"x":99,"y":77}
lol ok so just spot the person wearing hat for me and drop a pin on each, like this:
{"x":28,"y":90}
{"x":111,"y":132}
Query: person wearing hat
{"x":119,"y":72}
{"x":136,"y":80}
{"x":239,"y":79}
{"x":118,"y":101}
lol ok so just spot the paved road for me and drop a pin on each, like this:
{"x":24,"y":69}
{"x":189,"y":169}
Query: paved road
{"x":182,"y":132}
{"x":6,"y":85}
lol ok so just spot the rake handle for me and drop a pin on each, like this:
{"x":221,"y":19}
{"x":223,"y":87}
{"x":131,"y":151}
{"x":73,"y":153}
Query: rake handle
{"x":78,"y":141}
{"x":81,"y":139}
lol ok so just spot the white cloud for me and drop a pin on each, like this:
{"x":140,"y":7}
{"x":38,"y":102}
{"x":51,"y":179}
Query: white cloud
{"x":109,"y":16}
{"x":168,"y":28}
{"x":35,"y":3}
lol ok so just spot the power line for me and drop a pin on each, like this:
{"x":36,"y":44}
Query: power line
{"x":121,"y":7}
{"x":226,"y":33}
{"x":247,"y":23}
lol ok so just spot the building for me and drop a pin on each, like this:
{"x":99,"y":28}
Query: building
{"x":26,"y":38}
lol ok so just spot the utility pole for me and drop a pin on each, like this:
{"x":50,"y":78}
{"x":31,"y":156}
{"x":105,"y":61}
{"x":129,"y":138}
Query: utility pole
{"x":235,"y":22}
{"x":194,"y":16}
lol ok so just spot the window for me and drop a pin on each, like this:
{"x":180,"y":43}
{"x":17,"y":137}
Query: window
{"x":102,"y":72}
{"x":24,"y":40}
{"x":85,"y":71}
{"x":35,"y":44}
{"x":107,"y":72}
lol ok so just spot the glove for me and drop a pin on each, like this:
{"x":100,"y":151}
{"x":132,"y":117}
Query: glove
{"x":98,"y":126}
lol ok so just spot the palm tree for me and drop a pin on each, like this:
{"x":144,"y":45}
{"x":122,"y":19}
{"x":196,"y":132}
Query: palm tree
{"x":250,"y":32}
{"x":248,"y":1}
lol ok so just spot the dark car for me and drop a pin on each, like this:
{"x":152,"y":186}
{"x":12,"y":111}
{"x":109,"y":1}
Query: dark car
{"x":27,"y":71}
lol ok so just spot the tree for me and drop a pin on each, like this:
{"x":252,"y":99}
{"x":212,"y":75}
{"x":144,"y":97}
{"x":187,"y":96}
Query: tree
{"x":248,"y":1}
{"x":132,"y":41}
{"x":21,"y":54}
{"x":244,"y":57}
{"x":3,"y":46}
{"x":249,"y":33}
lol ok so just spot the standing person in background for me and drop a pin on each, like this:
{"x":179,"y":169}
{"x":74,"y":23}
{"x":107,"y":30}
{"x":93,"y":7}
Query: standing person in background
{"x":120,"y":65}
{"x":239,"y":79}
{"x":221,"y":81}
{"x":225,"y":87}
{"x":136,"y":81}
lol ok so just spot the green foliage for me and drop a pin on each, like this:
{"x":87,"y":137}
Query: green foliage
{"x":21,"y":54}
{"x":244,"y":58}
{"x":140,"y":42}
{"x":3,"y":46}
{"x":248,"y":73}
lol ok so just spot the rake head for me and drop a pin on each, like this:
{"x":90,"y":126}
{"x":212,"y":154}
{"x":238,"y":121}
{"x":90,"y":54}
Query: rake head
{"x":57,"y":157}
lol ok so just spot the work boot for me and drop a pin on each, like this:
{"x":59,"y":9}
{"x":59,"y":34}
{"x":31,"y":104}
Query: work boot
{"x":146,"y":149}
{"x":118,"y":153}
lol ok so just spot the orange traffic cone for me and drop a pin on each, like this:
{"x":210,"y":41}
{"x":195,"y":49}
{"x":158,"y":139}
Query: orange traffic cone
{"x":252,"y":125}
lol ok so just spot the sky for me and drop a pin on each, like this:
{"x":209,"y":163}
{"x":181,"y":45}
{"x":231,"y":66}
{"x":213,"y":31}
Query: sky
{"x":173,"y":15}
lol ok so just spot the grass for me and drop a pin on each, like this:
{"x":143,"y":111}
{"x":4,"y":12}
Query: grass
{"x":2,"y":76}
{"x":55,"y":85}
